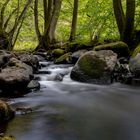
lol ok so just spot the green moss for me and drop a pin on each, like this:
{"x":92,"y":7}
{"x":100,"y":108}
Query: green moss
{"x":64,"y":58}
{"x":75,"y":46}
{"x":119,"y":47}
{"x":92,"y":66}
{"x":136,"y":51}
{"x":7,"y":138}
{"x":58,"y":52}
{"x":6,"y":111}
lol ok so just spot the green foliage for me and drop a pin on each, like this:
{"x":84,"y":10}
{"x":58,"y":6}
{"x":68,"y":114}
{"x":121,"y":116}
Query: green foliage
{"x":25,"y":45}
{"x":137,"y":15}
{"x":95,"y":19}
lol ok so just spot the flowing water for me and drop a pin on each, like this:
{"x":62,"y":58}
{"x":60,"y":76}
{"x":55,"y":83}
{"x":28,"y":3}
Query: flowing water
{"x":69,"y":110}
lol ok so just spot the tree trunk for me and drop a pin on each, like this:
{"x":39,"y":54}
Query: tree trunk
{"x":36,"y":20}
{"x":51,"y":9}
{"x":50,"y":34}
{"x":8,"y":38}
{"x":120,"y":17}
{"x":74,"y":21}
{"x":129,"y":26}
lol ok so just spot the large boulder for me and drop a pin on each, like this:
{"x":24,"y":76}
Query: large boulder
{"x":119,"y":47}
{"x":134,"y":65}
{"x":6,"y":112}
{"x":15,"y":77}
{"x":95,"y":67}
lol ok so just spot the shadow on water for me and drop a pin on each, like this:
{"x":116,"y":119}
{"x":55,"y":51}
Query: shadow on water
{"x":71,"y":110}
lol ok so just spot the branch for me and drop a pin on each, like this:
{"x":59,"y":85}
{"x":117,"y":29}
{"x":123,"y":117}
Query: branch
{"x":8,"y":19}
{"x":20,"y":18}
{"x":18,"y":31}
{"x":2,"y":13}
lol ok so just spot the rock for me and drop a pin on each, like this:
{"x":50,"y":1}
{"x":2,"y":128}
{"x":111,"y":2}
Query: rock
{"x":33,"y":85}
{"x":43,"y":54}
{"x":58,"y":52}
{"x":58,"y":77}
{"x":64,"y":59}
{"x":76,"y":55}
{"x":40,"y":58}
{"x":121,"y":72}
{"x":119,"y":47}
{"x":55,"y":77}
{"x":74,"y":46}
{"x":45,"y":64}
{"x":7,"y":138}
{"x":134,"y":65}
{"x":6,"y":112}
{"x":30,"y":60}
{"x":95,"y":67}
{"x":15,"y":77}
{"x":24,"y":110}
{"x":44,"y":72}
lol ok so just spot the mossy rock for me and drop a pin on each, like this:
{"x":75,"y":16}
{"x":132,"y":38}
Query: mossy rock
{"x":119,"y":47}
{"x":58,"y":52}
{"x":6,"y":112}
{"x":64,"y":59}
{"x":87,"y":64}
{"x":136,"y":51}
{"x":95,"y":67}
{"x":75,"y":46}
{"x":7,"y":138}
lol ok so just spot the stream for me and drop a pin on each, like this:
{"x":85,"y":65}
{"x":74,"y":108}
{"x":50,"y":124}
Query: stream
{"x":70,"y":110}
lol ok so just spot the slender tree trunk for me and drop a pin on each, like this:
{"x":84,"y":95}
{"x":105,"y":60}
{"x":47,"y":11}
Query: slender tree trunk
{"x":36,"y":20}
{"x":45,"y":8}
{"x":51,"y":9}
{"x":129,"y":26}
{"x":2,"y":14}
{"x":120,"y":17}
{"x":55,"y":16}
{"x":125,"y":23}
{"x":52,"y":19}
{"x":74,"y":21}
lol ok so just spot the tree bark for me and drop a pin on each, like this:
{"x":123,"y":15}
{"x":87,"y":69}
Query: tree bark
{"x":36,"y":20}
{"x":129,"y":26}
{"x":120,"y":17}
{"x":8,"y":38}
{"x":54,"y":19}
{"x":74,"y":21}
